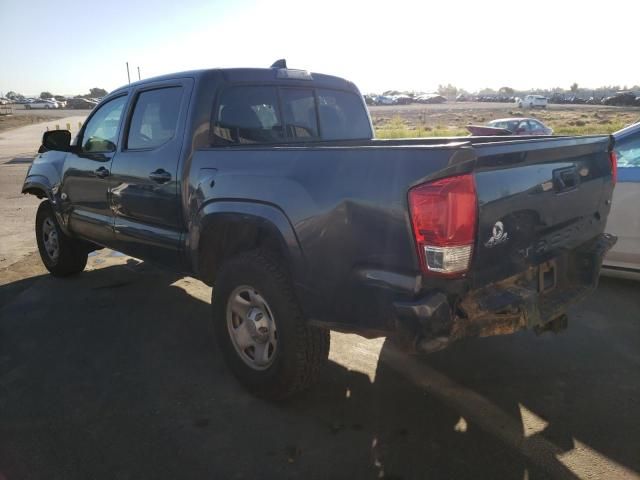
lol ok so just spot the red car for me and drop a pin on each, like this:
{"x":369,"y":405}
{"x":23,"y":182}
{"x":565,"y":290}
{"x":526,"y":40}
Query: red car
{"x":511,"y":126}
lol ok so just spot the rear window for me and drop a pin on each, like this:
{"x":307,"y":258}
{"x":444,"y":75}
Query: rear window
{"x":266,"y":114}
{"x":342,"y":116}
{"x":247,"y":115}
{"x":299,"y":111}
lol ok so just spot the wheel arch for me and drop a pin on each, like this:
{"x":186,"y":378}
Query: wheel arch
{"x":226,"y":228}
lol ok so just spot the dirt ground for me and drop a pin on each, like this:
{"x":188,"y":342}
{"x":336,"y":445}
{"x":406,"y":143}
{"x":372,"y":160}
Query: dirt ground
{"x":564,"y":119}
{"x":115,"y":374}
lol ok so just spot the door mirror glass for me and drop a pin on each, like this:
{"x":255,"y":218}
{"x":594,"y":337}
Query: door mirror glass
{"x":57,"y":140}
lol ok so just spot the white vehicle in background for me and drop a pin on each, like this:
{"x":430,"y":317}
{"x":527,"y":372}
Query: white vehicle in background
{"x":40,"y":103}
{"x":532,"y":101}
{"x":623,"y":260}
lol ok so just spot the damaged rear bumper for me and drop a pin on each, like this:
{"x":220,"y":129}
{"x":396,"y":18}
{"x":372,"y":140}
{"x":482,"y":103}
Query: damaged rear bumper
{"x":537,"y":298}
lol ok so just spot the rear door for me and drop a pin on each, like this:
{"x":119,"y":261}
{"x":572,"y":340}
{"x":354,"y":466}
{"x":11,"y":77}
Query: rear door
{"x":536,"y":200}
{"x":144,"y":178}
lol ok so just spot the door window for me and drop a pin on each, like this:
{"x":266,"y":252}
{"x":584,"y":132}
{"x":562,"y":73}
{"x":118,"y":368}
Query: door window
{"x":101,"y":132}
{"x":628,"y":152}
{"x":155,"y":118}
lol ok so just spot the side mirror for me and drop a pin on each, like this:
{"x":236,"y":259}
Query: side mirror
{"x":57,"y":140}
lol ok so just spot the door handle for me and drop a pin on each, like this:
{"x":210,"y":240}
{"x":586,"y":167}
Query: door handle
{"x":160,"y":176}
{"x":102,"y":172}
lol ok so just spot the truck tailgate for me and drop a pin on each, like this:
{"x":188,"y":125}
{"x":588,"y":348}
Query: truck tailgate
{"x":537,"y":200}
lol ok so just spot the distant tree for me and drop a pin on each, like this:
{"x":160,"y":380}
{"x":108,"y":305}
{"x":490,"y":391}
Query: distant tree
{"x":44,"y":95}
{"x":97,"y":92}
{"x":506,"y":91}
{"x":11,"y":95}
{"x":60,"y":98}
{"x":487,"y":91}
{"x":574,"y":87}
{"x":447,"y":90}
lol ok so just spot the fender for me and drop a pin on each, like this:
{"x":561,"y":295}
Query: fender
{"x":44,"y":175}
{"x":264,"y":215}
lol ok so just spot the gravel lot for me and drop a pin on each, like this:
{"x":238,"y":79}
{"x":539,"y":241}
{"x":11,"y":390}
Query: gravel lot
{"x":114,"y":374}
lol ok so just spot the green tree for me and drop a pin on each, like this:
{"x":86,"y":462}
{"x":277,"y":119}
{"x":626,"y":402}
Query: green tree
{"x":574,"y":87}
{"x":506,"y":91}
{"x":44,"y":95}
{"x":11,"y":95}
{"x":447,"y":90}
{"x":97,"y":92}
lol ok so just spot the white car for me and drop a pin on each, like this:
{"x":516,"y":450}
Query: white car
{"x":623,"y":260}
{"x":532,"y":101}
{"x":39,"y":103}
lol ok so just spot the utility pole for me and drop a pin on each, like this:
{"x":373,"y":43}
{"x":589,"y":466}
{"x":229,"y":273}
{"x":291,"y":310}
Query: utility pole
{"x":138,"y":73}
{"x":128,"y":76}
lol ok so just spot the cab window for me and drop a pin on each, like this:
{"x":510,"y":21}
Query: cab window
{"x":248,"y":115}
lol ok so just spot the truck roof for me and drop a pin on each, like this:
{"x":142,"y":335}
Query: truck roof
{"x":258,"y":75}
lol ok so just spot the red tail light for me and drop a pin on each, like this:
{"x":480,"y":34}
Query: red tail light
{"x":444,"y":217}
{"x":614,"y":166}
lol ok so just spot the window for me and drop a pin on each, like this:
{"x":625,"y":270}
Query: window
{"x":535,"y":126}
{"x":248,"y":115}
{"x":101,"y":133}
{"x":342,"y":116}
{"x":628,"y":152}
{"x":299,"y":111}
{"x":155,"y":118}
{"x":251,"y":114}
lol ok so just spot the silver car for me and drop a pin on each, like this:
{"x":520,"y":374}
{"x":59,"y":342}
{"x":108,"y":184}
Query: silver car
{"x":623,"y":260}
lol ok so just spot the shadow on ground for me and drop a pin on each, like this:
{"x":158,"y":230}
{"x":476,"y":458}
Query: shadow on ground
{"x":114,"y":374}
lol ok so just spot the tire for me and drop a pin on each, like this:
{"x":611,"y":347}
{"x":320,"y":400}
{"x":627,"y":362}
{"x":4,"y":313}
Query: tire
{"x":70,"y":257}
{"x":293,"y":352}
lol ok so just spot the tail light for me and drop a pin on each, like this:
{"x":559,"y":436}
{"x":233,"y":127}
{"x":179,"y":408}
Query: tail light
{"x":613,"y":158}
{"x":444,"y":217}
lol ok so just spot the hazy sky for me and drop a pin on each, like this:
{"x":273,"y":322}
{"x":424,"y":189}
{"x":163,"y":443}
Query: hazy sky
{"x":69,"y":46}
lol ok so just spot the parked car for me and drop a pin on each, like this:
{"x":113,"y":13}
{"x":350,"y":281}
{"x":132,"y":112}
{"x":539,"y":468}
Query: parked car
{"x":41,"y":104}
{"x":511,"y":126}
{"x":233,"y":176}
{"x":622,"y":99}
{"x":80,"y":103}
{"x":532,"y":101}
{"x":430,"y":98}
{"x":624,"y":220}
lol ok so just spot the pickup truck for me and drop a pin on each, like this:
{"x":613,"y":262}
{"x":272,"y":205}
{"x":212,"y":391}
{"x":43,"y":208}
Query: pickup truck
{"x":268,"y":185}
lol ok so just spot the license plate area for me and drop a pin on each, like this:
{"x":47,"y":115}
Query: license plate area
{"x":547,"y":276}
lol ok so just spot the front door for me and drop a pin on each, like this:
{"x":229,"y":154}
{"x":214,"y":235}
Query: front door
{"x":144,"y":177}
{"x":85,"y":184}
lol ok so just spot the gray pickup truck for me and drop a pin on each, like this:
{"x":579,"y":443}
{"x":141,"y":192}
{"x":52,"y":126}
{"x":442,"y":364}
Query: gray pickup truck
{"x":268,"y":185}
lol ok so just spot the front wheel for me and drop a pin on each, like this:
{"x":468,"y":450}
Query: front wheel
{"x":61,"y":254}
{"x":260,"y":328}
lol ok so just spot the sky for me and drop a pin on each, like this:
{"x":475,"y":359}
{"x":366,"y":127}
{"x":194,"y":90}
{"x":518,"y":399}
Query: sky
{"x":67,"y":47}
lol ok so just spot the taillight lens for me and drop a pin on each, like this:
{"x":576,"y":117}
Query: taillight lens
{"x":444,"y":217}
{"x":614,"y":166}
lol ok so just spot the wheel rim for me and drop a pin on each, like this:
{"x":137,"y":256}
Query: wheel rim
{"x":50,"y":239}
{"x":252,"y":327}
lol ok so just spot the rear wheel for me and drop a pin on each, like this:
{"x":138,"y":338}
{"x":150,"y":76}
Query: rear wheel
{"x":61,"y":254}
{"x":260,"y":328}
